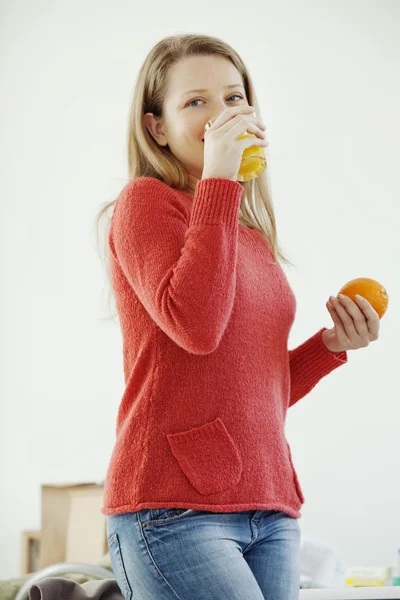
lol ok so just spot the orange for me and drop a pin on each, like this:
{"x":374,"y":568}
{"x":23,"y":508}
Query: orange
{"x":370,"y":289}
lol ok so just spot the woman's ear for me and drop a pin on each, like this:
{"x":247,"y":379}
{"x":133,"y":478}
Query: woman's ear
{"x":154,"y":126}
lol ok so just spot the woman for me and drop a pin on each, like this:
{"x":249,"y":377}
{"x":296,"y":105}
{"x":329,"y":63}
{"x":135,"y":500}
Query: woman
{"x":201,"y":497}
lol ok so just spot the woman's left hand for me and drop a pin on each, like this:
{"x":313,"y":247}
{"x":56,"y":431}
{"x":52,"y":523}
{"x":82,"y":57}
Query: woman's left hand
{"x":356,"y":325}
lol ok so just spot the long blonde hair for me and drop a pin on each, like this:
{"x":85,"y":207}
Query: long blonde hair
{"x":147,"y":159}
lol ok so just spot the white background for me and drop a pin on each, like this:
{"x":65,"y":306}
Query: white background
{"x":327,"y":79}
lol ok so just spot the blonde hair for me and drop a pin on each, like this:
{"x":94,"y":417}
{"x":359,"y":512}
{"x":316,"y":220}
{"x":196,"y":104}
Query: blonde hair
{"x":146,"y":158}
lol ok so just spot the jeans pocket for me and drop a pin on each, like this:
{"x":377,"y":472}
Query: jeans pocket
{"x":118,"y":566}
{"x":208,"y":456}
{"x":165,"y":515}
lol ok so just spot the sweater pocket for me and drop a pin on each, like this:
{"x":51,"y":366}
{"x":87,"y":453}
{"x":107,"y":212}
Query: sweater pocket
{"x":295,"y":478}
{"x":208,"y":456}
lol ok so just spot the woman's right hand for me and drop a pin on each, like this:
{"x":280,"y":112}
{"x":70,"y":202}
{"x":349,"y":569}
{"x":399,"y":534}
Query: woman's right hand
{"x":222,"y":150}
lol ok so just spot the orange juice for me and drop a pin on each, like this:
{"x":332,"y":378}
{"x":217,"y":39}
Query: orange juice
{"x":253,"y":161}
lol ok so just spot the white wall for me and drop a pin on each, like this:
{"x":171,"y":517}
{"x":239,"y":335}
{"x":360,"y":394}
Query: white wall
{"x":327,"y":77}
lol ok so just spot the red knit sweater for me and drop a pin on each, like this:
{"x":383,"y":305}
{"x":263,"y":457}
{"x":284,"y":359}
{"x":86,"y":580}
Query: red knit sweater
{"x":205,"y":319}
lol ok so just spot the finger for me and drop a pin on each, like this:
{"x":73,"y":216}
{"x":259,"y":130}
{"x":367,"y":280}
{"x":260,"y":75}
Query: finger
{"x":227,"y":114}
{"x":340,"y":331}
{"x":347,"y":320}
{"x":371,"y":315}
{"x":359,"y":320}
{"x":243,"y":124}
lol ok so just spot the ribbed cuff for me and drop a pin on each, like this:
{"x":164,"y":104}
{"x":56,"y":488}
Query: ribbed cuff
{"x":216,"y":200}
{"x":312,"y":360}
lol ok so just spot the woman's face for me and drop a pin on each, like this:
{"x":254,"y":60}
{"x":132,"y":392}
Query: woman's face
{"x":186,"y":112}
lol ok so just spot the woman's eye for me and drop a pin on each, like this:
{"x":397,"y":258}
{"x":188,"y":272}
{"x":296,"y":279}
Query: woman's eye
{"x":198,"y":99}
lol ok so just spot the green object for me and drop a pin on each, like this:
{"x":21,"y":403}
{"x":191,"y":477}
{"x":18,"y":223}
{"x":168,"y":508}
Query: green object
{"x":396,"y":581}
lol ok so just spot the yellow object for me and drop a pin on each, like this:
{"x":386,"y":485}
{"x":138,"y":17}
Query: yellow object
{"x":253,"y":161}
{"x":364,"y":582}
{"x":366,"y":576}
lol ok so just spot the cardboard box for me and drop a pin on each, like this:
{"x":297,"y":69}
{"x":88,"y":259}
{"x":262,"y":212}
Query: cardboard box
{"x":30,"y":551}
{"x":73,"y":528}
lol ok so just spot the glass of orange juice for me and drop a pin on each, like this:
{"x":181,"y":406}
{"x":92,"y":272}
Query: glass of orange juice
{"x":253,"y":159}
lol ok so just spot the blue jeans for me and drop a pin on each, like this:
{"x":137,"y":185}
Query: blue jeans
{"x":187,"y":554}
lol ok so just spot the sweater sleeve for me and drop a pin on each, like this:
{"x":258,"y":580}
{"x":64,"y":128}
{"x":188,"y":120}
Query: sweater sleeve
{"x":309,"y":363}
{"x":181,"y":266}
